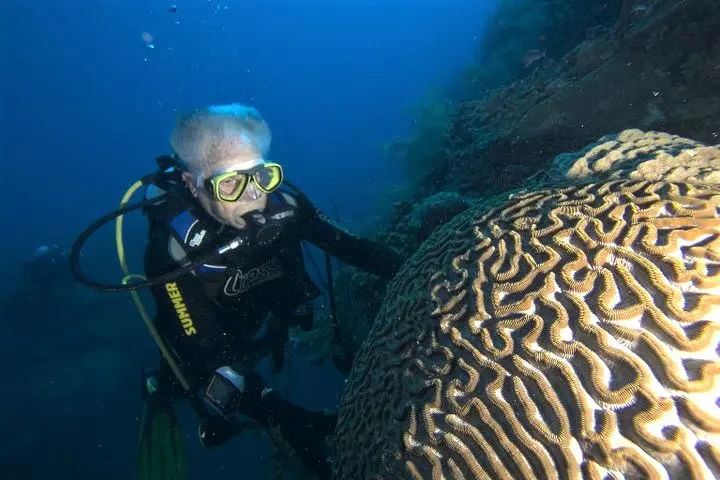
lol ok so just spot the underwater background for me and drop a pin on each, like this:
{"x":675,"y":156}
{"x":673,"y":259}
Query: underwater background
{"x":392,"y":116}
{"x":90,"y":90}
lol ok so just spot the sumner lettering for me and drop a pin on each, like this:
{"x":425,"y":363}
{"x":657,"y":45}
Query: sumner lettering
{"x":180,"y":308}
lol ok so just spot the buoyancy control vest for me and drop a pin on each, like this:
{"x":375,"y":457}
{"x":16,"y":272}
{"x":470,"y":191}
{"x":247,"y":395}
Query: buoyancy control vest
{"x":193,"y":232}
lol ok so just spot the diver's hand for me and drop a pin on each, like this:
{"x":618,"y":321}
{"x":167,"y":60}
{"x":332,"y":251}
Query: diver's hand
{"x":216,"y":431}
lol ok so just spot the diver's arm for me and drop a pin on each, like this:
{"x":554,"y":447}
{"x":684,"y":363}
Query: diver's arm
{"x":355,"y":250}
{"x":184,"y":314}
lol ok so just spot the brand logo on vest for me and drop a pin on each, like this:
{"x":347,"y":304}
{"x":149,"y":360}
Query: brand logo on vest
{"x":242,"y":282}
{"x":197,"y":238}
{"x":282,"y":215}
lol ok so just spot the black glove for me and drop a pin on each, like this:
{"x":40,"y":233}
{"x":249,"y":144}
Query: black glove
{"x":223,"y":395}
{"x":216,"y":431}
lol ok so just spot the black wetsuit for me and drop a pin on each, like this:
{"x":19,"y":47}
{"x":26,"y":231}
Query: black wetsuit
{"x":208,"y":318}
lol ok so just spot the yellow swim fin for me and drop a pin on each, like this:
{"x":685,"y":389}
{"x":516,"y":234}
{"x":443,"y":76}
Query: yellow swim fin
{"x":162,"y":454}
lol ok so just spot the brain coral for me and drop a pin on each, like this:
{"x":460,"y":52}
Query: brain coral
{"x":637,"y":155}
{"x":570,"y":332}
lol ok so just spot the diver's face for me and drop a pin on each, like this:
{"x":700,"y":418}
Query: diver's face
{"x":252,"y":199}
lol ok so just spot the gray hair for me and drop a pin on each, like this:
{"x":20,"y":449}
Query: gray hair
{"x":210,"y":135}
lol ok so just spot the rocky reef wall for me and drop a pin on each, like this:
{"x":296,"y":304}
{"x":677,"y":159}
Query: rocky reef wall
{"x":655,"y":68}
{"x":589,"y":69}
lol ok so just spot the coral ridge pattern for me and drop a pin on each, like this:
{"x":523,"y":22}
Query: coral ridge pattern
{"x":570,"y":332}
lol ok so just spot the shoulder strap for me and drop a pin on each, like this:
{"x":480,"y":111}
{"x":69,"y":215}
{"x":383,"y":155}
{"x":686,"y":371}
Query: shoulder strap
{"x":189,"y":233}
{"x":283,"y":197}
{"x":166,"y":209}
{"x":295,"y":192}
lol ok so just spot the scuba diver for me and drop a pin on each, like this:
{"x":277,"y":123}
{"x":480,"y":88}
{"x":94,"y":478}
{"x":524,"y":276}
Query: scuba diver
{"x":45,"y":264}
{"x":44,"y":275}
{"x":46,"y":269}
{"x":224,"y":262}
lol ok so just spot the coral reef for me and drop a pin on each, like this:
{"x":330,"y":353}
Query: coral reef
{"x":521,"y":35}
{"x":565,"y":331}
{"x":550,"y":78}
{"x":360,"y":294}
{"x":314,"y":345}
{"x":655,"y":68}
{"x":639,"y":155}
{"x":430,"y":130}
{"x":359,"y":297}
{"x":435,"y":211}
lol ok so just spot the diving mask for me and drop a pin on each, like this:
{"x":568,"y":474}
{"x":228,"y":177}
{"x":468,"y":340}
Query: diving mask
{"x":229,"y":184}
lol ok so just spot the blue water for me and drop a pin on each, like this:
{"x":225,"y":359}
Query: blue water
{"x":87,"y":105}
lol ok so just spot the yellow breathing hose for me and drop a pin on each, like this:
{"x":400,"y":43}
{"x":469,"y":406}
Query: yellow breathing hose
{"x":141,"y":308}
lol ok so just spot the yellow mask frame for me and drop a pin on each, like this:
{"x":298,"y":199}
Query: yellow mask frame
{"x":242,"y":179}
